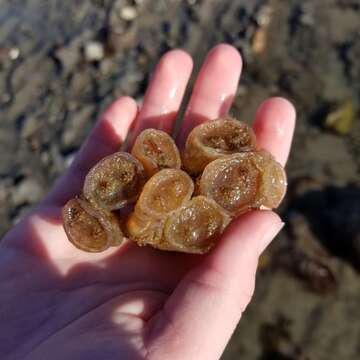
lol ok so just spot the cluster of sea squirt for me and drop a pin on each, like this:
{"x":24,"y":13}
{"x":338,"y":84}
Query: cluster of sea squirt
{"x":180,"y":201}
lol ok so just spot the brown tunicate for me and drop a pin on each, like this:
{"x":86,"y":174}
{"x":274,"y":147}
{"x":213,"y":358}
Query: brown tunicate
{"x":171,"y":212}
{"x":143,"y":229}
{"x":195,"y":227}
{"x":164,"y":192}
{"x":274,"y":182}
{"x":156,"y":150}
{"x":244,"y":181}
{"x":215,"y":139}
{"x":114,"y":181}
{"x":88,"y":228}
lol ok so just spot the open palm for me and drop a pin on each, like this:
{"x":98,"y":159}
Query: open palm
{"x":129,"y":302}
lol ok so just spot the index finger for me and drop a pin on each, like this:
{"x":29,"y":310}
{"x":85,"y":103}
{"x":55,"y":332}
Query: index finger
{"x":105,"y":138}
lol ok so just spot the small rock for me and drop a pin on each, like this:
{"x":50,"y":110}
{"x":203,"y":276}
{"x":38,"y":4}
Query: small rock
{"x":28,"y":191}
{"x":94,"y":51}
{"x":14,"y":53}
{"x":307,"y":19}
{"x":68,"y":56}
{"x":342,"y":118}
{"x":264,"y":15}
{"x":9,"y":53}
{"x":259,"y":42}
{"x":260,"y":37}
{"x":128,"y":13}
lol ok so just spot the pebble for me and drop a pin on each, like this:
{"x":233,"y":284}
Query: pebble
{"x":68,"y":56}
{"x":342,"y":118}
{"x":259,"y":42}
{"x":14,"y":53}
{"x":11,"y":53}
{"x":264,"y":15}
{"x":128,"y":13}
{"x":307,"y":19}
{"x":94,"y":51}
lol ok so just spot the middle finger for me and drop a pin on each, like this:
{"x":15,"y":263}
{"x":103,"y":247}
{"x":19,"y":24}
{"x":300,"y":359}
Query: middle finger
{"x":164,"y":93}
{"x":214,"y":89}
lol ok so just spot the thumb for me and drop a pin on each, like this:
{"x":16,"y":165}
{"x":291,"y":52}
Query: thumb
{"x":201,"y":314}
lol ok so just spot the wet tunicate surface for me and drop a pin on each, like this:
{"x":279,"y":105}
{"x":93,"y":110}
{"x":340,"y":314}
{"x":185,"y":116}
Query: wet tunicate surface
{"x":166,"y":215}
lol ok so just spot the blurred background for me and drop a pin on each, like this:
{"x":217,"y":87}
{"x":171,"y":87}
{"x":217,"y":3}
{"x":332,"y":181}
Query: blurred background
{"x":62,"y":62}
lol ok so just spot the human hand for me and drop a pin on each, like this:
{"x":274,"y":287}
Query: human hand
{"x":138,"y":303}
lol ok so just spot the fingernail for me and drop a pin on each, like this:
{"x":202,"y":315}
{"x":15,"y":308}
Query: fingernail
{"x":270,"y":234}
